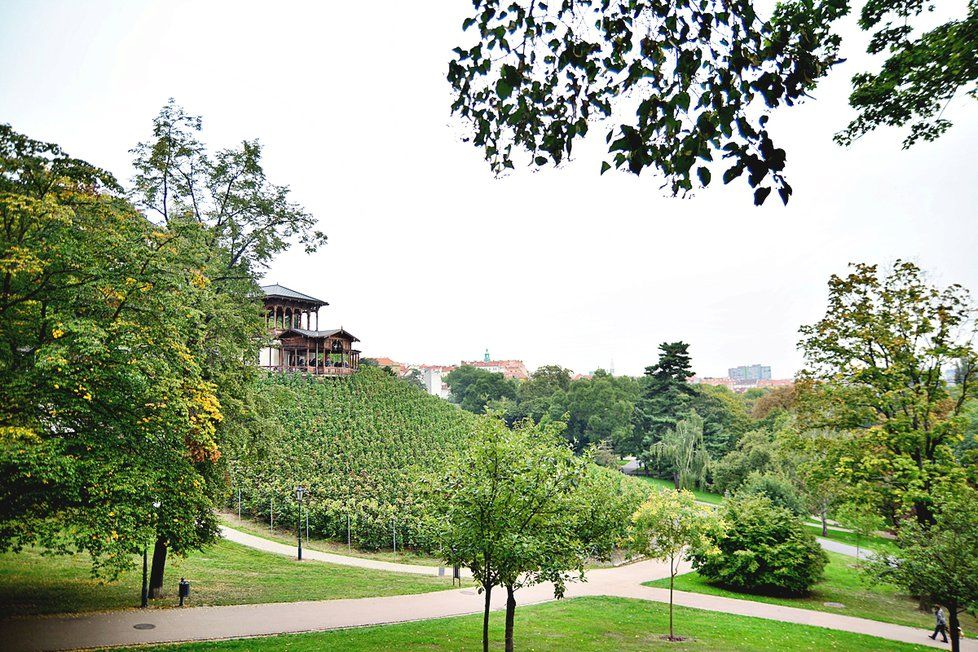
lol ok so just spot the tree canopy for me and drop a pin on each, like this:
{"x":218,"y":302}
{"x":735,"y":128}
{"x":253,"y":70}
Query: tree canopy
{"x":875,"y":365}
{"x":687,"y":87}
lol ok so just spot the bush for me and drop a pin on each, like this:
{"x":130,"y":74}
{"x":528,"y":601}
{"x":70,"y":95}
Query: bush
{"x":760,"y":547}
{"x":776,"y":487}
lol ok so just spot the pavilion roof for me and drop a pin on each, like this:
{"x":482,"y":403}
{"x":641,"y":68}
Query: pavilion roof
{"x":316,"y":335}
{"x":282,"y":292}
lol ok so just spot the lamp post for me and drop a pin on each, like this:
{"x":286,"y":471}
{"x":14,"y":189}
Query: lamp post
{"x":299,"y":492}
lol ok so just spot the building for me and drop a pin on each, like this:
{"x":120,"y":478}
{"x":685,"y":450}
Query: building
{"x":433,"y":378}
{"x":508,"y":368}
{"x":750,"y":372}
{"x":399,"y":368}
{"x":298,"y":345}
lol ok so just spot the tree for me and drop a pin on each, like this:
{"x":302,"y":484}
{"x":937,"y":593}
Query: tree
{"x":667,"y":524}
{"x":875,"y":366}
{"x":238,"y":220}
{"x":725,"y":419}
{"x":666,"y":394}
{"x":683,"y":453}
{"x":817,"y":454}
{"x":701,"y":78}
{"x":757,"y":451}
{"x":104,"y":409}
{"x":939,"y":563}
{"x":535,"y":396}
{"x":863,"y":519}
{"x":762,"y":548}
{"x":777,"y":488}
{"x":474,"y":388}
{"x":413,"y":378}
{"x":596,"y":409}
{"x":507,"y":508}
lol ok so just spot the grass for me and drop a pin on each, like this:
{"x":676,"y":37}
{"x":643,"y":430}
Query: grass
{"x":874,"y":543}
{"x":582,"y":624}
{"x":842,"y":583}
{"x":288,"y":537}
{"x":702,"y":496}
{"x":227,"y":573}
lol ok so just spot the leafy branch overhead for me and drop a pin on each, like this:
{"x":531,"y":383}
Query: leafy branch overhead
{"x":687,"y":86}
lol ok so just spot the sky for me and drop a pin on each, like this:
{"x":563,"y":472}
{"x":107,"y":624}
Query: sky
{"x":431,"y":259}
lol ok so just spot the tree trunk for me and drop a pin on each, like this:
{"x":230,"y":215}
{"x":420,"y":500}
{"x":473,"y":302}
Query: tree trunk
{"x":675,"y":480}
{"x":954,"y":625}
{"x":156,"y":574}
{"x":672,"y":579}
{"x":510,"y":616}
{"x":825,"y":525}
{"x":485,"y":621}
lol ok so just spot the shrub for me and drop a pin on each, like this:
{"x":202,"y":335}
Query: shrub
{"x":760,"y":547}
{"x":776,"y":487}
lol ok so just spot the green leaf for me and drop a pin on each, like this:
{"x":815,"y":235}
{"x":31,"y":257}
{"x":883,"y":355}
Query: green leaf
{"x":503,"y":89}
{"x":761,"y":194}
{"x":605,"y":167}
{"x":704,"y":175}
{"x":540,"y":160}
{"x":682,"y":101}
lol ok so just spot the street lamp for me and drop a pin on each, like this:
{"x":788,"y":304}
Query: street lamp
{"x":299,"y":492}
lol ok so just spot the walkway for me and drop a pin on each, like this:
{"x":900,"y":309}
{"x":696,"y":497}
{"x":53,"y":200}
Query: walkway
{"x":206,"y":623}
{"x":260,"y":543}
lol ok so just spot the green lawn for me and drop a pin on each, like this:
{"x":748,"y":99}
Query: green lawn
{"x":325,"y":545}
{"x":581,"y":625}
{"x":227,"y":573}
{"x":874,"y":543}
{"x":843,"y":584}
{"x":704,"y":496}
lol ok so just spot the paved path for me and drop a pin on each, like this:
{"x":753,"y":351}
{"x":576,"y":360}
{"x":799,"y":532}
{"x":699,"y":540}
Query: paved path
{"x":261,"y":543}
{"x":206,"y":623}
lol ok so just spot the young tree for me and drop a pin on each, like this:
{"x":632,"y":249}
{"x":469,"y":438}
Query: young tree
{"x":816,"y":454}
{"x":939,"y":563}
{"x":511,"y":508}
{"x":665,"y":525}
{"x":875,"y":366}
{"x":683,"y":453}
{"x":687,"y":84}
{"x":863,"y":519}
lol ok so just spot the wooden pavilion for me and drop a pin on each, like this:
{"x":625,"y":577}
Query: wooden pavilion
{"x":298,"y":345}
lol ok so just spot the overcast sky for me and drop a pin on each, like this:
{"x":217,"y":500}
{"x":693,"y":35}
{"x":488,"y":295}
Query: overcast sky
{"x":430,"y":258}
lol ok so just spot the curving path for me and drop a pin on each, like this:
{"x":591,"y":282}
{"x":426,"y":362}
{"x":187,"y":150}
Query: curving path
{"x":207,"y":623}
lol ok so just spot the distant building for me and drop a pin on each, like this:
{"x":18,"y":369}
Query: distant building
{"x":750,"y":372}
{"x":433,"y":378}
{"x":398,"y":368}
{"x":508,"y":368}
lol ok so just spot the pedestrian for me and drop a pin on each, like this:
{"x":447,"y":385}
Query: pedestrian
{"x":940,"y":623}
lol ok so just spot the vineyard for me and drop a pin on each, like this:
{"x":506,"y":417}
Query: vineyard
{"x":356,"y":443}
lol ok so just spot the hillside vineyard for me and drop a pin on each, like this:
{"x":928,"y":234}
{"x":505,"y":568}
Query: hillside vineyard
{"x":356,"y":443}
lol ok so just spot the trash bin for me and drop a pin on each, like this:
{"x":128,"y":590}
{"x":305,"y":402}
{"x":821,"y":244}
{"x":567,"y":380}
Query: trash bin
{"x":184,"y":590}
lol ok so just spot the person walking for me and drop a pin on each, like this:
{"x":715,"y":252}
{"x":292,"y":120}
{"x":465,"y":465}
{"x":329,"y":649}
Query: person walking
{"x":940,"y":623}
